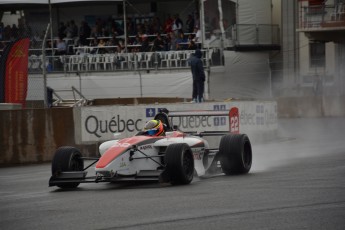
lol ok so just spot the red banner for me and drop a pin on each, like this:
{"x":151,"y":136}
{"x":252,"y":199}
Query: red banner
{"x":16,"y":73}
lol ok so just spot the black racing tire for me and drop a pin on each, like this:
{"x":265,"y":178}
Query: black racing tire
{"x":67,"y":159}
{"x":235,"y":152}
{"x":179,"y":164}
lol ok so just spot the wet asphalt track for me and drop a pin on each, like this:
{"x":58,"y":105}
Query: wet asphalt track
{"x":297,"y":182}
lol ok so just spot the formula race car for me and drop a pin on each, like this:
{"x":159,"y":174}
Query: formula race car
{"x":175,"y":157}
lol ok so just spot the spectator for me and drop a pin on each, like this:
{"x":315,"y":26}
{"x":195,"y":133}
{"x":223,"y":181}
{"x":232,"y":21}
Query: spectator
{"x":130,"y":28}
{"x":145,"y":46}
{"x":198,"y":74}
{"x":197,"y":37}
{"x":177,"y":25}
{"x":137,"y":40}
{"x":197,"y":20}
{"x":84,"y":33}
{"x":112,"y":42}
{"x":158,"y":43}
{"x":191,"y":45}
{"x":173,"y":41}
{"x":190,"y":24}
{"x":156,"y":25}
{"x":94,"y":43}
{"x":61,"y":47}
{"x":50,"y":48}
{"x":7,"y":33}
{"x":168,"y":24}
{"x":101,"y":45}
{"x":181,"y":41}
{"x":167,"y":42}
{"x":62,"y":30}
{"x":74,"y":29}
{"x":121,"y":48}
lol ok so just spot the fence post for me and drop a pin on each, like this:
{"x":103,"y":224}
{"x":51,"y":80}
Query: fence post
{"x":44,"y":70}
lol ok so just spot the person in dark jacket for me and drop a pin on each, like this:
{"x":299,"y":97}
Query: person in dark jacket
{"x":198,"y":73}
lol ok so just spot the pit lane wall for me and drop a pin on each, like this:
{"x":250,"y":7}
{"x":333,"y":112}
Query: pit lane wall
{"x":255,"y":118}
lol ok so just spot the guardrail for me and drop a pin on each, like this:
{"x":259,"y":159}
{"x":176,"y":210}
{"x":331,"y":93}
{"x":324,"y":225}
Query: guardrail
{"x":115,"y":61}
{"x":321,"y":16}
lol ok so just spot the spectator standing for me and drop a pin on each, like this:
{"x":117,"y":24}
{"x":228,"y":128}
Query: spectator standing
{"x":84,"y":33}
{"x":190,"y":24}
{"x":168,"y":24}
{"x":74,"y":29}
{"x":198,"y":74}
{"x":156,"y":25}
{"x":62,"y":30}
{"x":177,"y":25}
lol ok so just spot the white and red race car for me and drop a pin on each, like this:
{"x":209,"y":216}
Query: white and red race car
{"x":174,"y":158}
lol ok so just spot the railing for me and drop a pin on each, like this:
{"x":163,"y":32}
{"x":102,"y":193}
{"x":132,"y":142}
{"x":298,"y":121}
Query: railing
{"x":116,"y":61}
{"x":75,"y":102}
{"x":322,"y":16}
{"x":256,"y":34}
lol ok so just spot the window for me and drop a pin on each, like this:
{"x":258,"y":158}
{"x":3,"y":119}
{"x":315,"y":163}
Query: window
{"x":317,"y":54}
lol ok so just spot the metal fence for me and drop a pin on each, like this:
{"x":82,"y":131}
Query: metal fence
{"x":89,"y":62}
{"x":318,"y":16}
{"x":256,"y":34}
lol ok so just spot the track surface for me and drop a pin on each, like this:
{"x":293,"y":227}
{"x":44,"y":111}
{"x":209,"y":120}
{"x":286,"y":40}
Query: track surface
{"x":297,"y":182}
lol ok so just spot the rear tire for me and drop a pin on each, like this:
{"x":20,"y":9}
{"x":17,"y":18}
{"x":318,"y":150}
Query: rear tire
{"x":235,"y":153}
{"x":179,"y":163}
{"x":67,"y":159}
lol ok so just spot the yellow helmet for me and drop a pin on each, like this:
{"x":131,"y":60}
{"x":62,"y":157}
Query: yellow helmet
{"x":154,"y":128}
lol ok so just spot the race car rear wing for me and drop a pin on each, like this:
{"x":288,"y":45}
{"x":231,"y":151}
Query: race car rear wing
{"x":233,"y":115}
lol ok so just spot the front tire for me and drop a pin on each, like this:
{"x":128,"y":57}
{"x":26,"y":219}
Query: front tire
{"x":67,"y":159}
{"x":179,"y":163}
{"x":235,"y":153}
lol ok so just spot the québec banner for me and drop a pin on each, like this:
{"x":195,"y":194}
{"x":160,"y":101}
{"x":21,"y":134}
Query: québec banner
{"x":14,"y":72}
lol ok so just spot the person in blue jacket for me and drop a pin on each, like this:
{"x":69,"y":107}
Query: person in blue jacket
{"x":198,"y":73}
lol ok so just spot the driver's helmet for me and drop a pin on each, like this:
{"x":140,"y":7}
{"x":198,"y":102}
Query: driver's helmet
{"x":154,"y":128}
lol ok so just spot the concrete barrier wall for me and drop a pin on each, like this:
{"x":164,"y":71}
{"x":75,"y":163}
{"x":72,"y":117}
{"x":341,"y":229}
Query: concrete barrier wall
{"x":33,"y":135}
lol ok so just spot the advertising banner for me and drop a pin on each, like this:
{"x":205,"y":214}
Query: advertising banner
{"x":15,"y":72}
{"x":101,"y":123}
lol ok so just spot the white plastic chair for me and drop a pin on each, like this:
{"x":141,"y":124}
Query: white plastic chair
{"x":91,"y":60}
{"x":123,"y":59}
{"x":173,"y":59}
{"x":146,"y":59}
{"x":164,"y":59}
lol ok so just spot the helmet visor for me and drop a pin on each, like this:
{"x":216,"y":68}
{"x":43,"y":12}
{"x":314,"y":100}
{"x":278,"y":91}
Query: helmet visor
{"x":152,"y":132}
